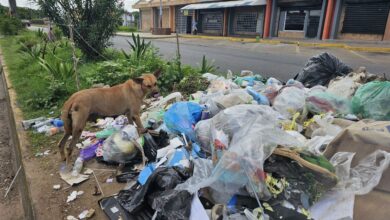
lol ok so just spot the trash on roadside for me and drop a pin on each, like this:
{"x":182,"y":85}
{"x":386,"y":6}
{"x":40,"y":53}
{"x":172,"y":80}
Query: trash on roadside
{"x":372,"y":100}
{"x":71,"y":217}
{"x":73,"y":195}
{"x":320,"y":69}
{"x":289,"y":101}
{"x":57,"y":187}
{"x":318,"y":102}
{"x":86,"y":214}
{"x":73,"y":180}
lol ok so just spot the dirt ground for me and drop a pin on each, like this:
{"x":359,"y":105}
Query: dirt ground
{"x":11,"y":206}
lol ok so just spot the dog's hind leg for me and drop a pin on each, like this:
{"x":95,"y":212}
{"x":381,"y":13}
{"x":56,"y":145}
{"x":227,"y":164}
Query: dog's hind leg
{"x":79,"y":119}
{"x":61,"y":145}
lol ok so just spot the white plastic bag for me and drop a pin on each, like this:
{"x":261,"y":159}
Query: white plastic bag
{"x":289,"y":101}
{"x":362,"y":178}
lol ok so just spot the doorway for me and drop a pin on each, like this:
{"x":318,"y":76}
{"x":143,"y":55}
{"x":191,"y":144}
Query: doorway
{"x":313,"y":23}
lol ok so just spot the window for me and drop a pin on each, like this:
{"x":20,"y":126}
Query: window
{"x":295,"y":21}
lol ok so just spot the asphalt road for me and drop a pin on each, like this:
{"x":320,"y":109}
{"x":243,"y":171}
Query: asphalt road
{"x":282,"y":61}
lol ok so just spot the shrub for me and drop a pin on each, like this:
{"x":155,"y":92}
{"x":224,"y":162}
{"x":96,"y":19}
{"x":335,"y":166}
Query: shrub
{"x":10,"y":25}
{"x":94,"y":23}
{"x":57,"y":32}
{"x":192,"y":83}
{"x":206,"y":66}
{"x":127,"y":29}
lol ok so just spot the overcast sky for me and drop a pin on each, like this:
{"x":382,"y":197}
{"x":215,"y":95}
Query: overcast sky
{"x":28,"y":3}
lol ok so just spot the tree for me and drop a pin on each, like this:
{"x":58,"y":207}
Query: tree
{"x":12,"y":7}
{"x":94,"y":21}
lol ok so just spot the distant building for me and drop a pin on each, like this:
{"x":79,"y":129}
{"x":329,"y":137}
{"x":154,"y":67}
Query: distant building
{"x":128,"y":19}
{"x":318,"y":19}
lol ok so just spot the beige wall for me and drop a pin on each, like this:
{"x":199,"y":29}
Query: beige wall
{"x":347,"y":36}
{"x":387,"y":31}
{"x":291,"y":34}
{"x":165,"y":18}
{"x":146,"y":19}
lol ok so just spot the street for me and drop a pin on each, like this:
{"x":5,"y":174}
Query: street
{"x":282,"y":61}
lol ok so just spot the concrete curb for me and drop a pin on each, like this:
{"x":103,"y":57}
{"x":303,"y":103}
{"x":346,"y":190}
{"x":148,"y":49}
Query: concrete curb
{"x":148,"y":38}
{"x":298,"y":43}
{"x":20,"y":141}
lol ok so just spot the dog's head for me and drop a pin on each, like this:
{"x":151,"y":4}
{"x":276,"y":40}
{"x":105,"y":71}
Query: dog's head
{"x":148,"y":82}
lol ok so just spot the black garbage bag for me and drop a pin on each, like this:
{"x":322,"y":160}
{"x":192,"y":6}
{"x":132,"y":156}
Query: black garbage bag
{"x":320,"y":69}
{"x":171,"y":204}
{"x":114,"y":211}
{"x":150,"y":147}
{"x":162,"y":179}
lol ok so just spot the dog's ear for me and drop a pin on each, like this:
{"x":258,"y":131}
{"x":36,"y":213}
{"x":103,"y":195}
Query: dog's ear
{"x":157,"y":73}
{"x":138,"y":80}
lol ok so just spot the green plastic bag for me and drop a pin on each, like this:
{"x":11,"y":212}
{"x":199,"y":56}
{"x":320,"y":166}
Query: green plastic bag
{"x":372,"y":100}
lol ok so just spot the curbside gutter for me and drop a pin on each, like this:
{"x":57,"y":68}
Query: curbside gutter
{"x":298,"y":43}
{"x":19,"y":139}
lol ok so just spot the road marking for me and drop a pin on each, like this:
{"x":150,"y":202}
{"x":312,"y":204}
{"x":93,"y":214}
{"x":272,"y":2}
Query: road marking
{"x":362,"y":56}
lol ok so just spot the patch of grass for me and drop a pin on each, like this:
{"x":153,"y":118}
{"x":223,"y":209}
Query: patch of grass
{"x":127,"y":29}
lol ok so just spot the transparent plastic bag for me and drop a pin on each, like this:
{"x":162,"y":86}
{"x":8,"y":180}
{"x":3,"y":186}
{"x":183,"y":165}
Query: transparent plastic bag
{"x":372,"y":100}
{"x":253,"y":133}
{"x":362,"y":178}
{"x":289,"y":101}
{"x":326,"y":126}
{"x":202,"y":131}
{"x":322,"y":102}
{"x":202,"y":170}
{"x":120,"y":146}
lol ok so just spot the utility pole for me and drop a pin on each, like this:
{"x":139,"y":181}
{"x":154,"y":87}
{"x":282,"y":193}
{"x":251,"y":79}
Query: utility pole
{"x":160,"y":17}
{"x":75,"y":60}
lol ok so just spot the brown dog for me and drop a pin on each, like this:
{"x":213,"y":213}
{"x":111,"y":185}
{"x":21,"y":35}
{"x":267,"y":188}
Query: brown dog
{"x":87,"y":105}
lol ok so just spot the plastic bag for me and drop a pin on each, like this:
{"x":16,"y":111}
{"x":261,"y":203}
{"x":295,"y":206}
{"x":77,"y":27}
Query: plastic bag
{"x":181,"y":117}
{"x":325,"y":126}
{"x":320,"y":69}
{"x":289,"y":101}
{"x":317,"y":144}
{"x":322,"y":102}
{"x":260,"y":99}
{"x":346,"y":86}
{"x":362,"y":178}
{"x":162,"y":179}
{"x":202,"y":131}
{"x":253,"y":133}
{"x":236,"y":97}
{"x":120,"y":146}
{"x":372,"y":100}
{"x":202,"y":170}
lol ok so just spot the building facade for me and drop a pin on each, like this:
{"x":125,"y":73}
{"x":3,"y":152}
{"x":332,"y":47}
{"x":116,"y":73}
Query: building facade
{"x":317,"y":19}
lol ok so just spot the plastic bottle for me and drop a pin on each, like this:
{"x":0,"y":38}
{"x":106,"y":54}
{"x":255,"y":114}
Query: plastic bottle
{"x":57,"y":122}
{"x":54,"y":130}
{"x":77,"y":167}
{"x":40,"y":124}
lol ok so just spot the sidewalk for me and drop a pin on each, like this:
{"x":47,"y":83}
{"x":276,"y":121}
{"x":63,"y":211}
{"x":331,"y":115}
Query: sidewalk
{"x":365,"y":46}
{"x":145,"y":35}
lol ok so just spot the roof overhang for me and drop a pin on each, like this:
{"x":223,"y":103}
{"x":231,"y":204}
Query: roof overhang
{"x":225,"y":4}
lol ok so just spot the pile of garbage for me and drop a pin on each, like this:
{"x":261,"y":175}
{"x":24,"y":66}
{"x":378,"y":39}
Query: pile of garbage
{"x":251,"y":148}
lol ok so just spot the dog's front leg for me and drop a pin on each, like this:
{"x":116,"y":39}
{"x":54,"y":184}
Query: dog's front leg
{"x":137,"y":120}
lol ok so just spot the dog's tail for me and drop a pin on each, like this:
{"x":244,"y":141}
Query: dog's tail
{"x":66,"y":116}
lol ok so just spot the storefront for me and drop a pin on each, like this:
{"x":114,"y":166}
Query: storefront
{"x":244,"y":17}
{"x":300,"y":19}
{"x":364,"y":20}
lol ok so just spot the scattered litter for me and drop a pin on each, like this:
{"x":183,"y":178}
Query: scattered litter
{"x":86,"y":214}
{"x":71,"y":217}
{"x":72,"y":196}
{"x":109,"y":180}
{"x":73,"y":180}
{"x":57,"y":187}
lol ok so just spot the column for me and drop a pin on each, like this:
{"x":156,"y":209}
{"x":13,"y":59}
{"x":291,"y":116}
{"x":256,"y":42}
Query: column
{"x":386,"y":36}
{"x":328,"y":20}
{"x":267,"y":19}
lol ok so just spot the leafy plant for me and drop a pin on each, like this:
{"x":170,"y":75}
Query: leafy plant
{"x":10,"y":25}
{"x":59,"y":71}
{"x":127,"y":29}
{"x":94,"y":21}
{"x":31,"y":52}
{"x":206,"y":66}
{"x":171,"y":76}
{"x":138,"y":47}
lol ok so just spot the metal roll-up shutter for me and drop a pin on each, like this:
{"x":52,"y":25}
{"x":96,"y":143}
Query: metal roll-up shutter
{"x":366,"y":18}
{"x":211,"y":22}
{"x":247,"y":21}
